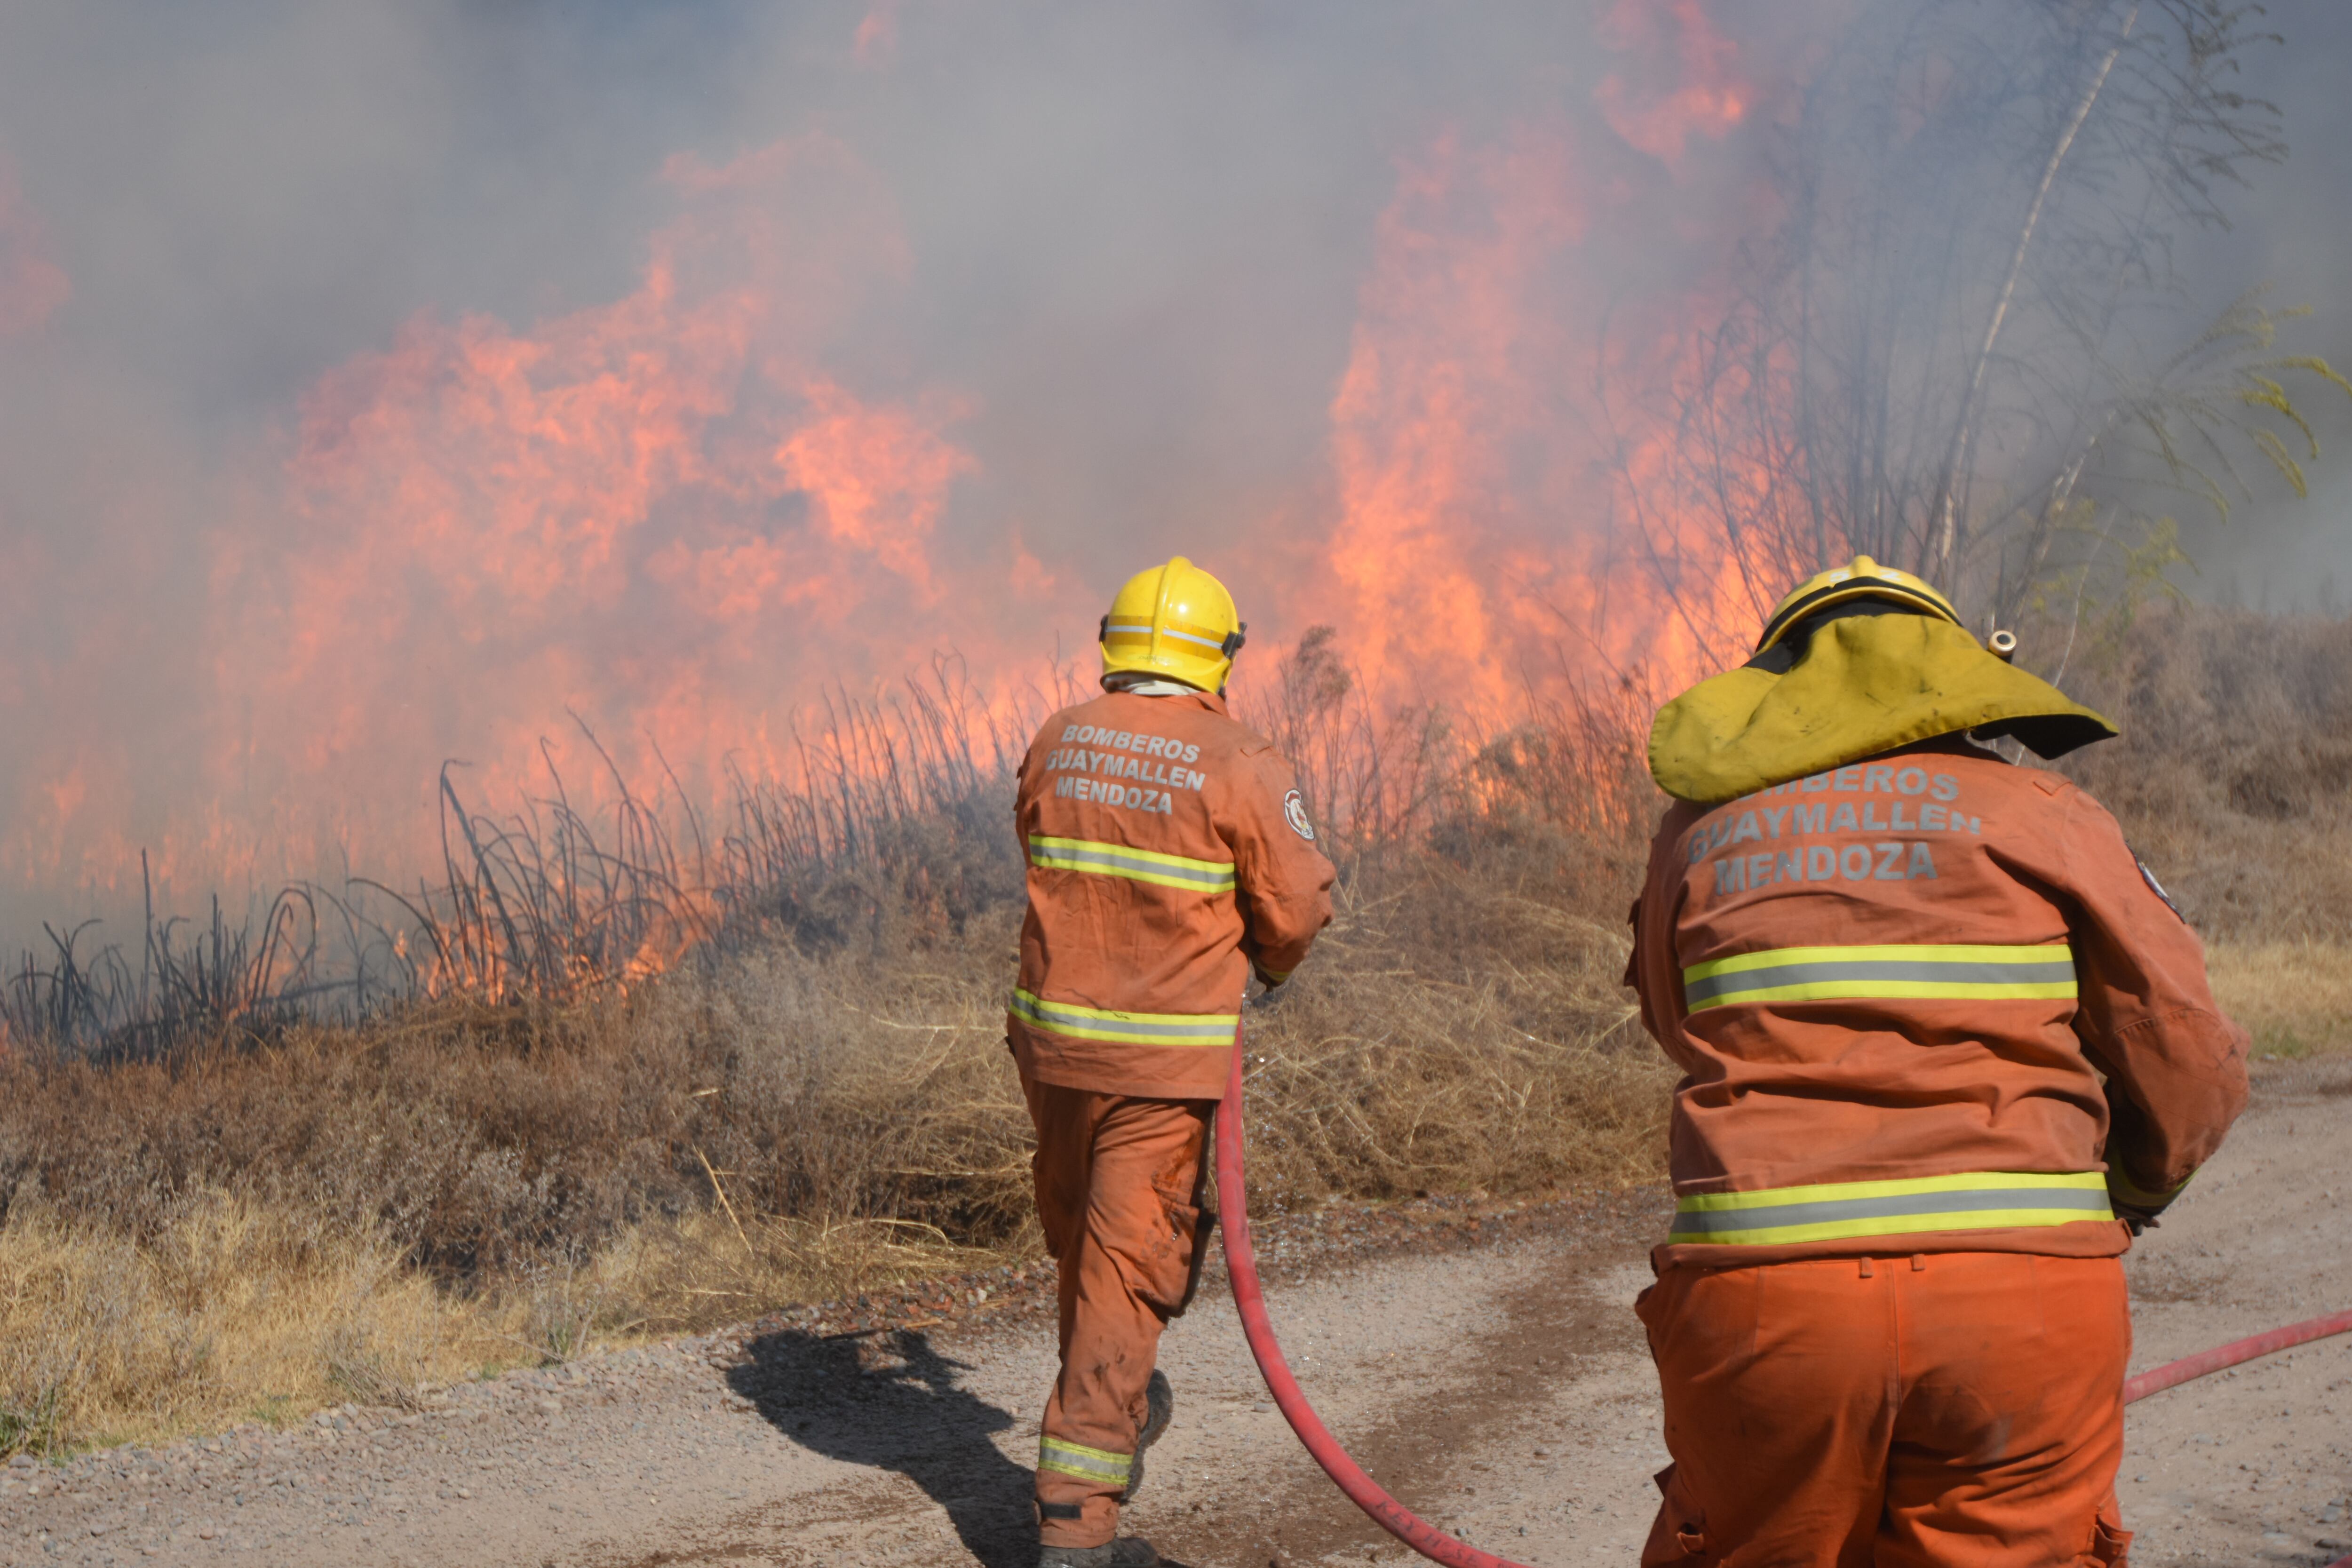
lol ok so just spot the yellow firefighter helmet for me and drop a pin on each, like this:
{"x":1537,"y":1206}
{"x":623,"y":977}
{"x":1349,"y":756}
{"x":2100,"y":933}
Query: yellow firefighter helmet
{"x":1175,"y":622}
{"x":1861,"y":578}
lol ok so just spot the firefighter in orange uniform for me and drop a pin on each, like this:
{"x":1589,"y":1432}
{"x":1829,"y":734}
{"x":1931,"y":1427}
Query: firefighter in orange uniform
{"x":1171,"y":856}
{"x":1946,"y":1049}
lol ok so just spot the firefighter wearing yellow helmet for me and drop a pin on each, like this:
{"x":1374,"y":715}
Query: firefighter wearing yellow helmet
{"x":1173,"y":621}
{"x":1853,"y":661}
{"x":1170,"y":855}
{"x":1946,"y":1047}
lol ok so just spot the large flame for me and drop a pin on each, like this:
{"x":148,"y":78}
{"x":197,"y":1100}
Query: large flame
{"x":663,"y":514}
{"x":1683,"y":78}
{"x":679,"y":517}
{"x":1444,"y":382}
{"x":1486,"y":468}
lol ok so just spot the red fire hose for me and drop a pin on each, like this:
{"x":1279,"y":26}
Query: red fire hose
{"x":1419,"y":1533}
{"x":2156,"y":1380}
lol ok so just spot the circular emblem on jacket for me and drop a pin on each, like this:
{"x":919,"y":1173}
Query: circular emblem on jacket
{"x":1294,"y":808}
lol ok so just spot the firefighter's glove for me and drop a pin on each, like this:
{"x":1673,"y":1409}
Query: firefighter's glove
{"x":2136,"y":1206}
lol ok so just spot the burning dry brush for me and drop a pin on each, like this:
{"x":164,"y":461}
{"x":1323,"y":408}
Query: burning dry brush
{"x":820,"y":1099}
{"x":824,"y":1047}
{"x":899,"y":799}
{"x":817,"y":1095}
{"x":778,"y":1124}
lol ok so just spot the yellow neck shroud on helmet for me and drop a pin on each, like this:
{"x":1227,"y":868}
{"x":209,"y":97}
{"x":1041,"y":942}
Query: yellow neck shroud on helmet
{"x":1175,"y":622}
{"x":1863,"y":684}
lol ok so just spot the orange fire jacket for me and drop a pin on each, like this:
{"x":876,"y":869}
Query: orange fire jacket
{"x":1169,"y":851}
{"x":1894,"y":989}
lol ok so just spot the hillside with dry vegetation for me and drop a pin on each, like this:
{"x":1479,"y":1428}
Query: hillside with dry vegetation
{"x":2230,"y":778}
{"x":254,"y":1212}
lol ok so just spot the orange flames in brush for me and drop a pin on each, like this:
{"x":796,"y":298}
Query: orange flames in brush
{"x":1482,"y":478}
{"x":1432,"y":547}
{"x":666,"y":514}
{"x":663,"y":514}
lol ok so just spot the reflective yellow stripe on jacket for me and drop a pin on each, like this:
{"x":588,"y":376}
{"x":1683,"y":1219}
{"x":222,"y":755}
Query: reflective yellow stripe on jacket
{"x":1838,"y":1211}
{"x":1135,"y":864}
{"x":1086,"y":1464}
{"x":1126,"y":1028}
{"x":1922,"y":970}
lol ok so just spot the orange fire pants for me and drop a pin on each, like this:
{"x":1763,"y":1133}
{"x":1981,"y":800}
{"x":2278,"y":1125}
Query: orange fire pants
{"x":1119,"y":1193}
{"x":1950,"y":1410}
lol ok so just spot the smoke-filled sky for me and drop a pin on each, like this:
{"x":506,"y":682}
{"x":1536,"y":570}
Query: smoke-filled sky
{"x":2293,"y":235}
{"x":379,"y":382}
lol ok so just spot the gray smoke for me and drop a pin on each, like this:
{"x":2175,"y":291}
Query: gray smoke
{"x":1135,"y":243}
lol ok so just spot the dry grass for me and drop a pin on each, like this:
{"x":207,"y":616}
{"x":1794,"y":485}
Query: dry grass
{"x":2296,"y":995}
{"x":2233,"y":780}
{"x":344,"y":1213}
{"x":484,"y":1140}
{"x":2234,"y":775}
{"x":1461,"y":1028}
{"x":820,"y":1102}
{"x":234,"y":1310}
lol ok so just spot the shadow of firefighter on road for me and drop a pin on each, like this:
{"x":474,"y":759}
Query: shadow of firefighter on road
{"x":891,"y":1400}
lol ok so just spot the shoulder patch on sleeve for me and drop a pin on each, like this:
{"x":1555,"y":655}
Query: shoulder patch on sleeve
{"x":2158,"y":889}
{"x":1294,"y":812}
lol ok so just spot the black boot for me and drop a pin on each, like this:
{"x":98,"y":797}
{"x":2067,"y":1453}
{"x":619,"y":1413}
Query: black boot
{"x":1127,"y":1552}
{"x":1160,"y":1408}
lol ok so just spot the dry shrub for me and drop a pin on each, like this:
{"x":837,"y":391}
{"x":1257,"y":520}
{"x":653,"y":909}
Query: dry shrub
{"x":2230,"y":774}
{"x":2230,"y":779}
{"x":1460,"y":1029}
{"x":233,"y":1310}
{"x":345,"y":1212}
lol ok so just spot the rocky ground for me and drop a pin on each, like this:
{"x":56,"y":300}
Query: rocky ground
{"x":1481,"y":1362}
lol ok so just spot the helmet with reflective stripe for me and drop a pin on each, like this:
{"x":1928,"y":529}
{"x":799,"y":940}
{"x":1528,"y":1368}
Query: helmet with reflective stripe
{"x":1861,"y":578}
{"x":1175,"y":622}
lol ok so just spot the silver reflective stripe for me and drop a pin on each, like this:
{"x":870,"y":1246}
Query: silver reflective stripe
{"x":1135,"y":1028}
{"x":1879,"y":970}
{"x":1159,"y":867}
{"x":1187,"y":636}
{"x":1086,"y":1464}
{"x":1892,"y":1206}
{"x":1886,"y":971}
{"x":1902,"y":1205}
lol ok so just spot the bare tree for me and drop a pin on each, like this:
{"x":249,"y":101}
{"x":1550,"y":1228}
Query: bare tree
{"x":1963,"y":348}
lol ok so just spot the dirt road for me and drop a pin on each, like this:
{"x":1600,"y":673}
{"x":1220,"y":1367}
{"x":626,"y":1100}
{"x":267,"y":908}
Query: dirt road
{"x":1493,"y":1377}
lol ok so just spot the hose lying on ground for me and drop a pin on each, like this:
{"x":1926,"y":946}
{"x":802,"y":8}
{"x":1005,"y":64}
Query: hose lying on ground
{"x":1433,"y":1543}
{"x":2156,"y":1380}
